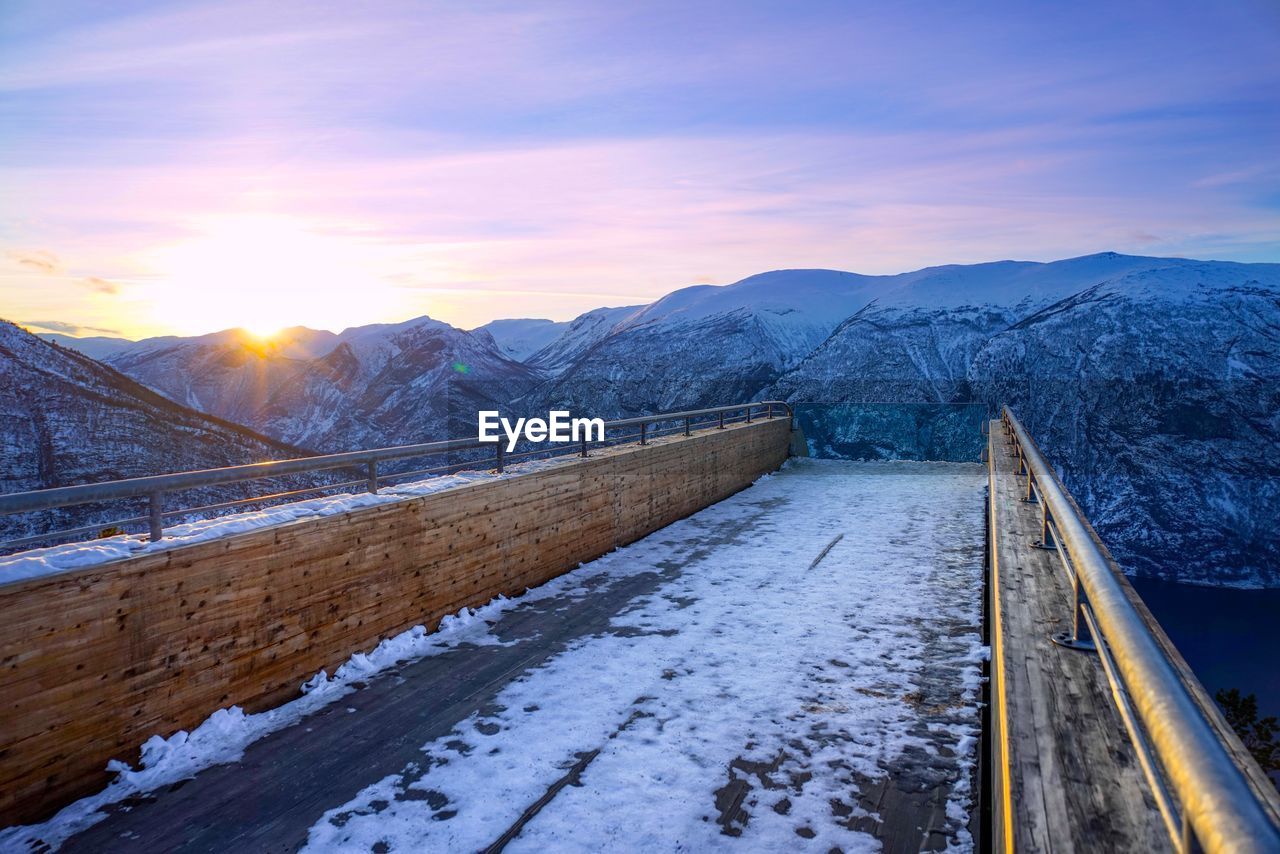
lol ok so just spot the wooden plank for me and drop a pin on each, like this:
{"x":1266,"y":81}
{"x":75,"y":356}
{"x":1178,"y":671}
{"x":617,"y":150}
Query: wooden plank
{"x":94,"y":662}
{"x":1066,"y":777}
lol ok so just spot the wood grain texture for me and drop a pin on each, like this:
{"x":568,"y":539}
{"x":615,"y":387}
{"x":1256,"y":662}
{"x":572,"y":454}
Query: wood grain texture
{"x":1065,"y":776}
{"x":95,"y":661}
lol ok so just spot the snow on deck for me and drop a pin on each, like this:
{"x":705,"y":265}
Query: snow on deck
{"x":796,"y":667}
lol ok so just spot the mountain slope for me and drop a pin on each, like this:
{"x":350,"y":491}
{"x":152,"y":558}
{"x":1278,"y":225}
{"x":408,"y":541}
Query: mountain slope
{"x":230,"y":374}
{"x":704,"y":344}
{"x":581,"y":334}
{"x":518,"y":339}
{"x":700,"y":344}
{"x":68,"y":419}
{"x":394,"y":384}
{"x":1159,"y":395}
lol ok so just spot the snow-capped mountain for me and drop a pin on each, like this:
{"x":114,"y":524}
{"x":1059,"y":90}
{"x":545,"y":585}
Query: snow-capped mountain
{"x":705,"y":342}
{"x":582,"y":333}
{"x":1158,"y":393}
{"x":231,"y":374}
{"x":1154,"y":384}
{"x":66,"y":419}
{"x":382,"y":384}
{"x":519,"y":339}
{"x":416,"y":381}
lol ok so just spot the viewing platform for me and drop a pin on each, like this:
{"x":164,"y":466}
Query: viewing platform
{"x":684,"y":641}
{"x":756,"y":672}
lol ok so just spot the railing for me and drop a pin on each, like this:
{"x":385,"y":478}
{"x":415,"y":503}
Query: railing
{"x":1203,"y":796}
{"x":154,"y":489}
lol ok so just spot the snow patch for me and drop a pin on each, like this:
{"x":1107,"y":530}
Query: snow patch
{"x":223,"y":737}
{"x":79,"y":555}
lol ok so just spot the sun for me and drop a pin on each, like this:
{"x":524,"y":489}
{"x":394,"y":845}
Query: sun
{"x":263,"y":331}
{"x":266,"y":273}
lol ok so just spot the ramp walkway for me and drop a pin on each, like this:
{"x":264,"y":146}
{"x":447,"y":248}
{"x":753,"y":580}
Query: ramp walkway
{"x":793,"y":668}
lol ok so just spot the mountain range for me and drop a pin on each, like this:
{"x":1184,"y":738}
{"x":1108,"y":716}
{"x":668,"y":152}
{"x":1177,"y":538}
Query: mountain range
{"x":1153,"y":383}
{"x":68,"y":419}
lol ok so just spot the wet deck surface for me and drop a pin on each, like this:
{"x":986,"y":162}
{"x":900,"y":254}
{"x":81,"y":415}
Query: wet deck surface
{"x":794,"y":668}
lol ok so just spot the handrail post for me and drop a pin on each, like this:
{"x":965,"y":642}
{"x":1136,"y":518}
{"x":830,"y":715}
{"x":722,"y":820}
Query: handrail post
{"x":372,"y":482}
{"x":721,"y":427}
{"x":686,"y":427}
{"x":1079,"y":637}
{"x":1047,"y":540}
{"x":155,"y":515}
{"x":584,"y":443}
{"x":769,"y":412}
{"x":748,"y":413}
{"x":499,"y":456}
{"x":1190,"y":842}
{"x":643,"y":425}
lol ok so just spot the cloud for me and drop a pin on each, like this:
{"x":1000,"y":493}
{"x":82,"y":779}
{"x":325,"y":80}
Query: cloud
{"x":48,"y":264}
{"x":68,"y":328}
{"x":40,"y":261}
{"x":101,"y":286}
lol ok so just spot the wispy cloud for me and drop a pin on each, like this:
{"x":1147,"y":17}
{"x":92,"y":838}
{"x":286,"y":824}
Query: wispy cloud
{"x":562,"y":153}
{"x":101,"y":286}
{"x":68,"y":328}
{"x":41,"y":262}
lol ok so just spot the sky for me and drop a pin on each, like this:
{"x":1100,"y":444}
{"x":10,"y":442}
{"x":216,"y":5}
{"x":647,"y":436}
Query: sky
{"x":182,"y":167}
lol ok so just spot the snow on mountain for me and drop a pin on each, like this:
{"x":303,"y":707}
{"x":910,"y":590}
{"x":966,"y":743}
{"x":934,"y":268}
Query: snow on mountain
{"x":520,"y":339}
{"x":796,"y":309}
{"x":582,"y":333}
{"x":1158,"y":393}
{"x":416,"y":381}
{"x":703,"y":343}
{"x":94,"y":346}
{"x":1154,"y":384}
{"x":231,"y":374}
{"x":706,"y":343}
{"x":66,"y":419}
{"x":368,"y":386}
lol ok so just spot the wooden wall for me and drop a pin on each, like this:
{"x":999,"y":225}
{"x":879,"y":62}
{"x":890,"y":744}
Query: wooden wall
{"x":93,"y":662}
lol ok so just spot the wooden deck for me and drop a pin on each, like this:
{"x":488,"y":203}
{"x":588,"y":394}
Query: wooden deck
{"x":696,"y":581}
{"x":1065,"y":776}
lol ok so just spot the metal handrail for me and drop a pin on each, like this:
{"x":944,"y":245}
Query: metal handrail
{"x":155,"y":487}
{"x":1218,"y":809}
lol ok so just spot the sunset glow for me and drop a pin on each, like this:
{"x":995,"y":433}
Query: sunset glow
{"x":182,"y":168}
{"x":265,"y":273}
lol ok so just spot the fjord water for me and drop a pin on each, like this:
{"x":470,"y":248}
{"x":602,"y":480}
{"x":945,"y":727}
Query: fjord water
{"x":1228,"y":635}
